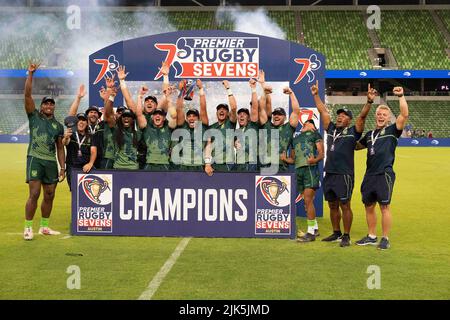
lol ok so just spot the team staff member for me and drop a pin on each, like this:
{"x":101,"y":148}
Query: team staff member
{"x":191,"y":122}
{"x":379,"y":179}
{"x":226,"y":120}
{"x":339,"y":165}
{"x":42,"y":171}
{"x":308,"y":152}
{"x":81,"y":147}
{"x":246,"y":160}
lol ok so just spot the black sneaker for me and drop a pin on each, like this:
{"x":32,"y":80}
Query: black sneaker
{"x":384,"y":244}
{"x":308,"y":237}
{"x":367,"y":240}
{"x":345,"y":241}
{"x":335,"y":237}
{"x":316,"y":233}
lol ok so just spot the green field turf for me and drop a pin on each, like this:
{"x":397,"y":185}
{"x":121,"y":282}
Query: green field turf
{"x":416,"y":266}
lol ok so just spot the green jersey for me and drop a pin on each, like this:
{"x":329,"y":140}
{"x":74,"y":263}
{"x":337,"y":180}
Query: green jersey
{"x":285,"y":133}
{"x":158,"y":143}
{"x":305,"y":147}
{"x":108,"y":142}
{"x":126,"y":156}
{"x":193,"y":145}
{"x":249,"y":157}
{"x":44,"y":133}
{"x":227,"y":145}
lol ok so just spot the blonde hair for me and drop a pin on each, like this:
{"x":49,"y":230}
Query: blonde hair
{"x":385,"y":107}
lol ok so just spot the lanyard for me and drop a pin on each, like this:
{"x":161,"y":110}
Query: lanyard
{"x":374,"y":139}
{"x":335,"y":136}
{"x":80,"y":143}
{"x":92,"y":130}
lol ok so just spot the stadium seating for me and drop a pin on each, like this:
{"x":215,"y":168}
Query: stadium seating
{"x":286,"y":21}
{"x":190,"y":20}
{"x":340,"y":35}
{"x":414,"y":39}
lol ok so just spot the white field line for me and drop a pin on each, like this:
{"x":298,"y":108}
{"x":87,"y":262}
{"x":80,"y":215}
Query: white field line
{"x":162,"y":273}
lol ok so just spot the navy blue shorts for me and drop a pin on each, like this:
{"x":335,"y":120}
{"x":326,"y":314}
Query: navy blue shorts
{"x":338,"y":187}
{"x":378,"y":188}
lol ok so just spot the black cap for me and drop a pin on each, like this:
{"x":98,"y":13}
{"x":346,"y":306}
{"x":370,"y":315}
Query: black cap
{"x":151,"y":98}
{"x":121,"y":109}
{"x":159,"y":111}
{"x":279,"y":111}
{"x":70,"y":122}
{"x":222,"y":105}
{"x":93,"y":108}
{"x":310,"y":121}
{"x":128,"y":113}
{"x":346,"y":111}
{"x":81,"y":115}
{"x":243,"y":110}
{"x":48,"y":98}
{"x":193,"y":111}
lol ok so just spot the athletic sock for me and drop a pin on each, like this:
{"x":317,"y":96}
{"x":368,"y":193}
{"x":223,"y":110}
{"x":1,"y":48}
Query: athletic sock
{"x":372,"y":236}
{"x":316,"y":226}
{"x":28,"y":223}
{"x":44,"y":222}
{"x":311,"y":226}
{"x":338,"y":232}
{"x":347,"y":235}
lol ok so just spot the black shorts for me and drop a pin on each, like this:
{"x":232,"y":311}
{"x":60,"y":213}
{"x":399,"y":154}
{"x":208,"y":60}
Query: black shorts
{"x":338,"y":187}
{"x":378,"y":188}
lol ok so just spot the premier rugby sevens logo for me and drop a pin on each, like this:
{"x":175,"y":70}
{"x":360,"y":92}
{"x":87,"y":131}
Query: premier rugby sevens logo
{"x":309,"y":65}
{"x":274,"y":190}
{"x":96,"y":188}
{"x":108,"y":66}
{"x":212,"y":57}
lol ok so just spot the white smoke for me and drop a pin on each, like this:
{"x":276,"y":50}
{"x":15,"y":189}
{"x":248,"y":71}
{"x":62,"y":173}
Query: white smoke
{"x":256,"y":22}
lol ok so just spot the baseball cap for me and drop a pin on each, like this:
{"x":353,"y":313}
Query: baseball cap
{"x":128,"y":113}
{"x":151,"y":98}
{"x":310,"y":121}
{"x":159,"y":111}
{"x":121,"y":109}
{"x":346,"y":111}
{"x":222,"y":105}
{"x":93,"y":108}
{"x":280,"y":111}
{"x":193,"y":111}
{"x":81,"y":116}
{"x":243,"y":110}
{"x":48,"y":98}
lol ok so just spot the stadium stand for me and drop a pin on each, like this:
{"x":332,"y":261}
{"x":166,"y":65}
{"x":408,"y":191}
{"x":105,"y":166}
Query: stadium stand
{"x":414,"y":39}
{"x":333,"y":34}
{"x":190,"y":20}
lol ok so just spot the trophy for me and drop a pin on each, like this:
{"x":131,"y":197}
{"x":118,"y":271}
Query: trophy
{"x":188,"y":90}
{"x":95,"y":188}
{"x":273,"y":189}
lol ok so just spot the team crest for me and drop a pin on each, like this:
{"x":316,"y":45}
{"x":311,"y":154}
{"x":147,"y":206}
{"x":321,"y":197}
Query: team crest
{"x":345,"y":131}
{"x":382,"y":132}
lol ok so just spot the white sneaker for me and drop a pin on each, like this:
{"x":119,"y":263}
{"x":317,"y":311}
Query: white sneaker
{"x":28,"y":233}
{"x":48,"y":232}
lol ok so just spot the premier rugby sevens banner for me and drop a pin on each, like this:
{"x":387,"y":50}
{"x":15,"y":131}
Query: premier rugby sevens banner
{"x":185,"y":204}
{"x":216,"y":55}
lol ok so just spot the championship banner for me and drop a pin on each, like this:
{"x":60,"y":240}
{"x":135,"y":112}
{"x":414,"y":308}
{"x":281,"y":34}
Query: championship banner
{"x":213,"y":56}
{"x":183,"y":204}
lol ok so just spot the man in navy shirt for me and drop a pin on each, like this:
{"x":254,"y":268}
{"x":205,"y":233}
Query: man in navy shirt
{"x":339,"y":165}
{"x":379,"y":179}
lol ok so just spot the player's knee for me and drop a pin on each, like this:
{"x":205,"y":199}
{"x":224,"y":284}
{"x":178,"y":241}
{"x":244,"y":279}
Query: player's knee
{"x":333,"y":205}
{"x":49,"y":195}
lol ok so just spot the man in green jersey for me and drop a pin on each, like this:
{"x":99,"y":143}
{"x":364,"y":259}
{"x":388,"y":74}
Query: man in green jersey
{"x":308,"y":152}
{"x":222,"y":157}
{"x":187,"y":154}
{"x":246,"y":140}
{"x":42,"y":171}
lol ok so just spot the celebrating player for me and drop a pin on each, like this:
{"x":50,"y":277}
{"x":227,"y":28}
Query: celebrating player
{"x":42,"y":171}
{"x":379,"y":179}
{"x":339,"y":165}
